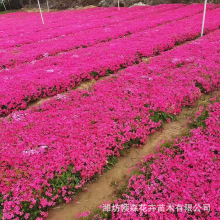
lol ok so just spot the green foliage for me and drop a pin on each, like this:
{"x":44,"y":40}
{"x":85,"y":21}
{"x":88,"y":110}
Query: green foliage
{"x":167,"y":144}
{"x":132,"y":142}
{"x":172,"y":145}
{"x":162,"y":116}
{"x":122,"y":189}
{"x":200,"y":121}
{"x":66,"y":178}
{"x":34,"y":211}
{"x":202,"y":89}
{"x":1,"y":207}
{"x":109,"y":72}
{"x":123,"y":66}
{"x":111,"y":161}
{"x":147,"y":165}
{"x":180,"y":64}
{"x":85,"y":94}
{"x":94,"y":74}
{"x":93,"y":122}
{"x":100,"y":215}
{"x":4,"y":107}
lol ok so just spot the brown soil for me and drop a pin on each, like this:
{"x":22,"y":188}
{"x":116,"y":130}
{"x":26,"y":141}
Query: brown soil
{"x":26,"y":9}
{"x":85,"y":85}
{"x":37,"y":10}
{"x":103,"y":189}
{"x":89,"y":6}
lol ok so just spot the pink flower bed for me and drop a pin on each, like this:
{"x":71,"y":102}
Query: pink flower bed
{"x":31,"y":22}
{"x":181,"y":181}
{"x":88,"y":37}
{"x":48,"y":152}
{"x":52,"y":75}
{"x":76,"y":22}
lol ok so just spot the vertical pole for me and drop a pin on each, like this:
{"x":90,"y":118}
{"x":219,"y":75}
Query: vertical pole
{"x":40,"y":12}
{"x":4,"y":5}
{"x":48,"y":9}
{"x":203,"y":22}
{"x":118,"y":4}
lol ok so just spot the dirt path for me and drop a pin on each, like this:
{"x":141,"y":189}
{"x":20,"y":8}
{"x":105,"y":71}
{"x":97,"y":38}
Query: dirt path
{"x":103,"y":188}
{"x":84,"y":85}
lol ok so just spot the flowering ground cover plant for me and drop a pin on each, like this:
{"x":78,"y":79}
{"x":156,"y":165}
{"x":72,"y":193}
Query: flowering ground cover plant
{"x":180,"y":181}
{"x":23,"y":26}
{"x":50,"y":151}
{"x":52,"y":75}
{"x":82,"y":21}
{"x":84,"y":38}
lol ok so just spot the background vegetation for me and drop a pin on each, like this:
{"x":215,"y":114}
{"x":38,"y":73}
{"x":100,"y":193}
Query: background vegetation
{"x":64,"y":4}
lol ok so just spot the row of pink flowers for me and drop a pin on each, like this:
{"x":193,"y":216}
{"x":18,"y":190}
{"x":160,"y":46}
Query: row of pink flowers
{"x":30,"y":23}
{"x":88,"y":37}
{"x":48,"y":151}
{"x":91,"y":16}
{"x":52,"y":75}
{"x":180,"y":181}
{"x":24,"y":19}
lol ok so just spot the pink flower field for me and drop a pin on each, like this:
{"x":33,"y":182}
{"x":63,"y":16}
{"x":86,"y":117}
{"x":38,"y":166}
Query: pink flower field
{"x":48,"y":152}
{"x":55,"y":74}
{"x":181,"y":181}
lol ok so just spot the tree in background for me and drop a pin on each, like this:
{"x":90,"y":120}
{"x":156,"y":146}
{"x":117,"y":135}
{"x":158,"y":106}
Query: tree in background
{"x":63,"y":4}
